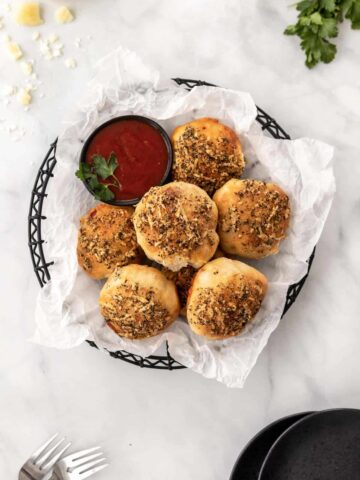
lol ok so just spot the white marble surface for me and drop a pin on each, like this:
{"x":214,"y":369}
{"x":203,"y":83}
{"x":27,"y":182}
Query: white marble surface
{"x":155,"y":424}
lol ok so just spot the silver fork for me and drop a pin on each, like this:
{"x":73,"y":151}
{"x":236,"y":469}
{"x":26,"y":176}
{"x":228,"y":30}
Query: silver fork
{"x":79,"y":465}
{"x":42,"y":461}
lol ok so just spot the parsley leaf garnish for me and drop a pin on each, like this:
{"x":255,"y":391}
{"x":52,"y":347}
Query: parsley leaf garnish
{"x":318,"y":22}
{"x":104,"y":169}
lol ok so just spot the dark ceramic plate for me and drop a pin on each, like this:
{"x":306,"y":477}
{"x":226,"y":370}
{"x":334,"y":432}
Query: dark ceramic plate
{"x":250,"y":460}
{"x":321,"y":446}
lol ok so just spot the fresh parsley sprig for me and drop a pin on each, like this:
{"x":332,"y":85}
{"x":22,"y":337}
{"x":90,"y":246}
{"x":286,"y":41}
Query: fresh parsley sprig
{"x":317,"y":24}
{"x":103,"y":168}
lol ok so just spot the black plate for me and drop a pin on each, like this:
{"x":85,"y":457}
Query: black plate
{"x":321,"y":446}
{"x":250,"y":460}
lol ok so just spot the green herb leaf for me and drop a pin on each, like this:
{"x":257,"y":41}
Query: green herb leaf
{"x":103,"y":193}
{"x":112,"y":162}
{"x":307,"y":6}
{"x":100,"y":168}
{"x":290,"y":30}
{"x":328,"y":28}
{"x":329,"y":5}
{"x":316,"y":18}
{"x":93,"y":183}
{"x":305,"y":21}
{"x":328,"y":52}
{"x":318,"y":22}
{"x":353,"y":14}
{"x":104,"y":168}
{"x":84,"y":171}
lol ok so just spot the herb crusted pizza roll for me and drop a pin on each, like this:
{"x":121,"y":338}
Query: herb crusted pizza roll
{"x":224,"y":297}
{"x":207,"y":153}
{"x":253,"y":217}
{"x":106,"y":239}
{"x":138,"y":301}
{"x":176,"y":225}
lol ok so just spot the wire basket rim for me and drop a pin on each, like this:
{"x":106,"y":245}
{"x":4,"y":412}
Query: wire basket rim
{"x":41,"y":265}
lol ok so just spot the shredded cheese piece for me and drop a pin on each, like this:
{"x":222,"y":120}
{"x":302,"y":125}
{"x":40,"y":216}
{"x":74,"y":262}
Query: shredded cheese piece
{"x":64,"y":15}
{"x":70,"y":63}
{"x":14,"y":50}
{"x":53,"y":38}
{"x":36,"y":36}
{"x":10,"y":90}
{"x":25,"y":97}
{"x":27,"y":68}
{"x":29,"y":14}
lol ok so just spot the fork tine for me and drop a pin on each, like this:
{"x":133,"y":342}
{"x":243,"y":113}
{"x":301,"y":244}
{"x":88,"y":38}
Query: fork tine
{"x":41,"y":460}
{"x":88,"y":473}
{"x":83,"y":453}
{"x":83,"y":468}
{"x":40,"y":450}
{"x":80,"y":461}
{"x":55,"y":458}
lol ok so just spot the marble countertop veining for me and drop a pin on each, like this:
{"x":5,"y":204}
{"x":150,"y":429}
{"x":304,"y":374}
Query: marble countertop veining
{"x":154,"y":424}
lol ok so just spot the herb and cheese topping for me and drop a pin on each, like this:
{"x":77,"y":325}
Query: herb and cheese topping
{"x":106,"y":239}
{"x":176,"y":225}
{"x":206,"y":153}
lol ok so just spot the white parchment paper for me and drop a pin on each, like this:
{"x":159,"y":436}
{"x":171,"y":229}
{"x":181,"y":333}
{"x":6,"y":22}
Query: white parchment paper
{"x":67,"y":308}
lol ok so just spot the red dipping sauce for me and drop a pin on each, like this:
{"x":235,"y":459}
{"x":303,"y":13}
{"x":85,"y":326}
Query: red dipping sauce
{"x":141,"y":151}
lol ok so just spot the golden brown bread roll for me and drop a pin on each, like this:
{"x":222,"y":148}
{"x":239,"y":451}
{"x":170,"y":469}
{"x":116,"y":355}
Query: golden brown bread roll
{"x":253,"y":217}
{"x":106,"y":239}
{"x":225,"y":296}
{"x":176,"y":225}
{"x":138,"y":301}
{"x":183,"y":280}
{"x":206,"y":153}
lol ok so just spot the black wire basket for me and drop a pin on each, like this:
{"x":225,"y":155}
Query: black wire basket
{"x":41,"y":264}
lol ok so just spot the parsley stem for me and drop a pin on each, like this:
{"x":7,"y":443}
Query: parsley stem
{"x":119,"y":186}
{"x":112,"y":185}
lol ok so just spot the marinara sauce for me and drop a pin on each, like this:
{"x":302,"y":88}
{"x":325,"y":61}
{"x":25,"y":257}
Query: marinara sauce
{"x":141,"y":153}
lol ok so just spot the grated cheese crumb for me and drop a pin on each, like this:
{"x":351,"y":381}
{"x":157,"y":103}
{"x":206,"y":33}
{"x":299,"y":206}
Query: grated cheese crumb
{"x":25,"y":97}
{"x":50,"y":50}
{"x":70,"y":63}
{"x":36,"y":36}
{"x":64,"y":15}
{"x":27,"y":68}
{"x":53,"y":38}
{"x":10,"y":90}
{"x":15,"y":50}
{"x":29,"y":14}
{"x":30,"y":87}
